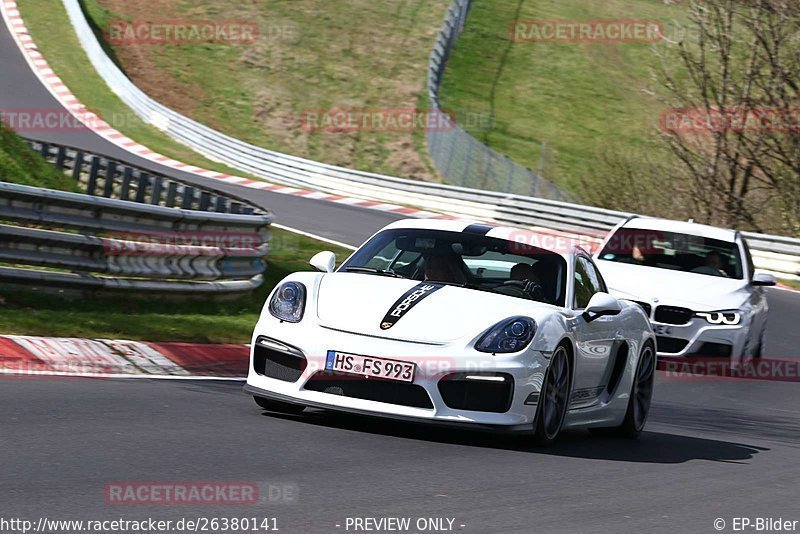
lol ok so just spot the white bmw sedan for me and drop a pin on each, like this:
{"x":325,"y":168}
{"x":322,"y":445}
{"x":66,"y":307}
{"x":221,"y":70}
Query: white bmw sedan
{"x":447,"y":322}
{"x":696,"y":283}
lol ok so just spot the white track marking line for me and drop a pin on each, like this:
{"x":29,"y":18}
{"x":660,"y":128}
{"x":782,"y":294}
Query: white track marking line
{"x":313,"y":236}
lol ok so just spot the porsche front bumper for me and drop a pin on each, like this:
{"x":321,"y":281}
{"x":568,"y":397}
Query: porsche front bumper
{"x":448,"y":378}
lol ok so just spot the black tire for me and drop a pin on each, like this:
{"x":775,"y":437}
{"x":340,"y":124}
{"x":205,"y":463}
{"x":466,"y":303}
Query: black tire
{"x":553,"y":399}
{"x":641,"y":395}
{"x":278,"y":406}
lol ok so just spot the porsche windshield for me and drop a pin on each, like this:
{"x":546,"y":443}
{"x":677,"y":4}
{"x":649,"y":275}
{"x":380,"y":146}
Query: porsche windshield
{"x":469,"y":260}
{"x":674,"y":251}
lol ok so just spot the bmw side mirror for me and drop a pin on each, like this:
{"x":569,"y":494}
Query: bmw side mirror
{"x":764,"y":280}
{"x":324,"y":261}
{"x":600,"y":305}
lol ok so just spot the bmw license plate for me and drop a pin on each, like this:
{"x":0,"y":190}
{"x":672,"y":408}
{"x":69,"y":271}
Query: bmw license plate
{"x":368,"y":366}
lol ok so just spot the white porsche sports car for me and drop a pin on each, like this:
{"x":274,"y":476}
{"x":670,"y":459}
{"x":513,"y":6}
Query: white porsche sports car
{"x":454,"y":323}
{"x":697,"y":284}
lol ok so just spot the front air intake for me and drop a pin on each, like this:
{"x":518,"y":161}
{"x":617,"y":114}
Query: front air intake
{"x":477,"y":392}
{"x":370,"y":388}
{"x":277,"y":360}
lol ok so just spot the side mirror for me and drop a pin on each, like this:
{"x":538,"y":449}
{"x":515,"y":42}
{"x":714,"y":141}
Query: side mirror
{"x":764,"y":279}
{"x":600,"y":305}
{"x":324,"y":261}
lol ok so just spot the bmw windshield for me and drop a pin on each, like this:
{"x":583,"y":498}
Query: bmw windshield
{"x":674,"y":251}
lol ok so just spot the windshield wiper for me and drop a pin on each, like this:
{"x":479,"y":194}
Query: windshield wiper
{"x":370,"y":270}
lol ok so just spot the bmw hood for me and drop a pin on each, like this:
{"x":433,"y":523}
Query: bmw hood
{"x":410,"y":310}
{"x":697,"y":292}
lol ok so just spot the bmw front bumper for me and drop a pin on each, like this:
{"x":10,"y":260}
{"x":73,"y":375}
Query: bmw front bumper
{"x":698,"y":338}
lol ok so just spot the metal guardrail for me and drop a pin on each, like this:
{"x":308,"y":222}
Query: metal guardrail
{"x":144,"y":242}
{"x":111,"y":178}
{"x":778,"y":254}
{"x":459,"y":156}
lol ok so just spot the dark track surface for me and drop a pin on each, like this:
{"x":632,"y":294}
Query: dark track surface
{"x":713,"y":448}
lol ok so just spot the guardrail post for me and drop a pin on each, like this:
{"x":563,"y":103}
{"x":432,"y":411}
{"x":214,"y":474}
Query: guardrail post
{"x":141,"y":187}
{"x":188,"y":198}
{"x":108,"y":187}
{"x":60,"y":157}
{"x":158,"y":183}
{"x":172,"y":192}
{"x":93,"y":171}
{"x":125,"y":190}
{"x":221,"y":205}
{"x":77,"y":166}
{"x":205,"y":201}
{"x":44,"y":150}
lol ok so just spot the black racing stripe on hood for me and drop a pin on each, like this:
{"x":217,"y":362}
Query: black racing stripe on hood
{"x":410,"y":298}
{"x":478,"y":229}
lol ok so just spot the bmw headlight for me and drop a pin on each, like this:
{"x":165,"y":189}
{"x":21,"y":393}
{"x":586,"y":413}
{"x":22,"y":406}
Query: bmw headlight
{"x":727,"y":317}
{"x":511,"y":335}
{"x":288,"y":302}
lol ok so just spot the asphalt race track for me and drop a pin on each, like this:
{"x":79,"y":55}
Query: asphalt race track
{"x":714,"y":448}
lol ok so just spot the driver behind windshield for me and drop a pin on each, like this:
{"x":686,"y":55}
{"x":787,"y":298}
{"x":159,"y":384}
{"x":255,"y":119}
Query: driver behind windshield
{"x":443,"y":268}
{"x":532,"y":278}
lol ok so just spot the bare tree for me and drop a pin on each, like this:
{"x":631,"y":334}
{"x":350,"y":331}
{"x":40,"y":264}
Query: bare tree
{"x":734,"y":94}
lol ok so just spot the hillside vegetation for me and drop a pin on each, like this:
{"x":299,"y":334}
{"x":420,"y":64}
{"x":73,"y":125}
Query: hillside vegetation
{"x":21,"y":165}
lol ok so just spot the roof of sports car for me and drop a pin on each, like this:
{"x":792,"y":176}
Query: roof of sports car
{"x":552,"y":241}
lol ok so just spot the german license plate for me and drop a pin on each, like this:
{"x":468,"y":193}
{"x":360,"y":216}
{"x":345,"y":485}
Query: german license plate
{"x":369,"y":366}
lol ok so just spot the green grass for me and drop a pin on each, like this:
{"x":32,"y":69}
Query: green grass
{"x":27,"y":313}
{"x":575,"y":98}
{"x":794,"y":284}
{"x":21,"y":165}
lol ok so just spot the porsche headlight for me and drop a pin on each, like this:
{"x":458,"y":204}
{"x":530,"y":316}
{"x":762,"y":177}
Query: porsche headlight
{"x":726,"y":317}
{"x":510,"y":335}
{"x":288,"y":302}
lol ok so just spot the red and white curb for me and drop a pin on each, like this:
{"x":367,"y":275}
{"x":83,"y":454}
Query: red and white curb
{"x":70,"y":102}
{"x":31,"y":356}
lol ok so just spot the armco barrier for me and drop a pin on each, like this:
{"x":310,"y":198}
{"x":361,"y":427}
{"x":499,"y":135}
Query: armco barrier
{"x":110,"y":178}
{"x":778,"y":254}
{"x":72,"y":240}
